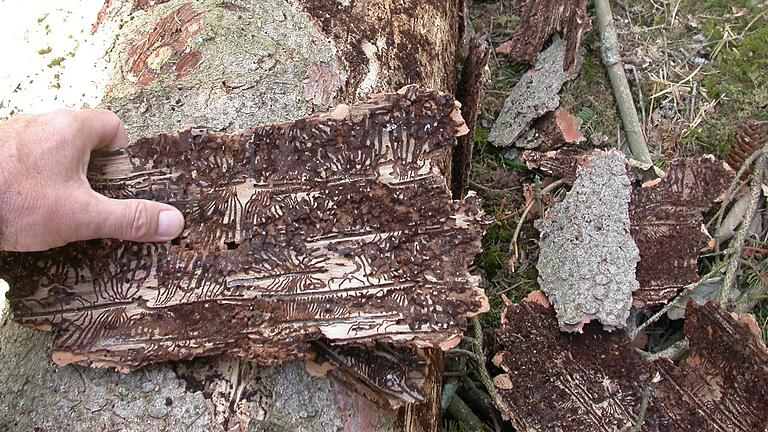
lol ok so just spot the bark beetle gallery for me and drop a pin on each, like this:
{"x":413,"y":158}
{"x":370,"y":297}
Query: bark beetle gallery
{"x":338,"y":226}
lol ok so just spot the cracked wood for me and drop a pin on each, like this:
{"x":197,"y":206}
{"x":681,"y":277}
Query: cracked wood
{"x":338,"y":226}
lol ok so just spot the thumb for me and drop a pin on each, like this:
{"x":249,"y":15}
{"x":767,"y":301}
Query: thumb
{"x":132,"y":220}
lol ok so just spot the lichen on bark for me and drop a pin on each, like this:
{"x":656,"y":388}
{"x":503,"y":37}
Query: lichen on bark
{"x":588,"y":258}
{"x":534,"y":95}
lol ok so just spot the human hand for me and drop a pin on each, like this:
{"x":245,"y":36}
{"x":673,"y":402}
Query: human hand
{"x":45,"y":198}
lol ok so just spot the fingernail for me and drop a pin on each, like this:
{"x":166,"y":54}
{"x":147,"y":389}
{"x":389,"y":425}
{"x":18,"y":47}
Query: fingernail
{"x":169,"y":224}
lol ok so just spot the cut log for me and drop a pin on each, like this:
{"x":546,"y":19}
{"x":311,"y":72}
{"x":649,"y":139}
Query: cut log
{"x":228,"y":66}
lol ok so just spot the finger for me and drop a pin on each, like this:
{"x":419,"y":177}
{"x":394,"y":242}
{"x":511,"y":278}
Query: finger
{"x":101,"y":129}
{"x":132,"y":220}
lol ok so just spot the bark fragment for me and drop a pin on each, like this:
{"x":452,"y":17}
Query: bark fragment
{"x":666,"y":217}
{"x":164,"y":46}
{"x":382,"y":372}
{"x":337,"y":226}
{"x":597,"y":381}
{"x":535,"y":95}
{"x":567,"y":382}
{"x":587,"y":259}
{"x":561,"y":163}
{"x":552,"y":131}
{"x":723,"y":384}
{"x":539,"y":20}
{"x":470,"y":93}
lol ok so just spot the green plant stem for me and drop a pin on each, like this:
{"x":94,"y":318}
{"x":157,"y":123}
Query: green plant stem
{"x":612,"y":61}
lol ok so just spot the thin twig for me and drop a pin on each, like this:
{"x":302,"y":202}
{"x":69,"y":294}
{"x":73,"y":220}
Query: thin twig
{"x":484,"y":188}
{"x":737,"y":244}
{"x":643,"y":407}
{"x":612,"y":61}
{"x":513,"y":243}
{"x":673,"y":352}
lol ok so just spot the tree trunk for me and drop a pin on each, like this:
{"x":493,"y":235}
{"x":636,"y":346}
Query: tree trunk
{"x":226,"y":65}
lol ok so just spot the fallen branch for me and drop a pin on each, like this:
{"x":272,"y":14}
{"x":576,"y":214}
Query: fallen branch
{"x":731,"y":192}
{"x":612,"y":61}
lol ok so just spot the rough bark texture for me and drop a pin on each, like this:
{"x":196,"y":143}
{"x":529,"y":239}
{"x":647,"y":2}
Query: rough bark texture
{"x":722,"y":384}
{"x":587,"y":259}
{"x":597,"y":381}
{"x":338,"y":227}
{"x":469,"y":93}
{"x":535,"y":95}
{"x":666,"y":217}
{"x":226,"y":66}
{"x":539,"y":20}
{"x":558,"y":381}
{"x":561,"y":163}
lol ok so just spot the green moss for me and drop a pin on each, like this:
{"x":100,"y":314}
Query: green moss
{"x":44,"y":51}
{"x":495,"y":248}
{"x":736,"y":77}
{"x":590,"y":97}
{"x":481,"y":138}
{"x":591,"y":72}
{"x":716,"y":7}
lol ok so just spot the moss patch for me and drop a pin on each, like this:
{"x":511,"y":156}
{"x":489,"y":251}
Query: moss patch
{"x":736,"y":74}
